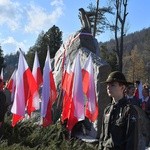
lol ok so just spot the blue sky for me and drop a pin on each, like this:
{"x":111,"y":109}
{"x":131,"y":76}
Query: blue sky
{"x":21,"y":21}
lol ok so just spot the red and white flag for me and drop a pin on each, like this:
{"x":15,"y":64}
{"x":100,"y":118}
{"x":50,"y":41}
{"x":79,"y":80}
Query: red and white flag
{"x":49,"y":93}
{"x":11,"y":85}
{"x":67,"y":83}
{"x":25,"y":89}
{"x":2,"y":74}
{"x":65,"y":78}
{"x":91,"y":110}
{"x":36,"y":71}
{"x":77,"y":99}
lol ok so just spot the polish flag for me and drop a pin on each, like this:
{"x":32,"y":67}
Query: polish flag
{"x":66,"y":78}
{"x":11,"y":81}
{"x":49,"y":93}
{"x":25,"y":88}
{"x":67,"y":92}
{"x":11,"y":85}
{"x":77,"y":100}
{"x":2,"y":74}
{"x":91,"y":110}
{"x":36,"y":71}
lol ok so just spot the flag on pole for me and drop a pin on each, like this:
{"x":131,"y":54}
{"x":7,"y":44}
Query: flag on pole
{"x":91,"y":110}
{"x":2,"y":74}
{"x":36,"y":71}
{"x":11,"y":85}
{"x":77,"y":99}
{"x":67,"y":83}
{"x":25,"y":88}
{"x":49,"y":93}
{"x":11,"y":81}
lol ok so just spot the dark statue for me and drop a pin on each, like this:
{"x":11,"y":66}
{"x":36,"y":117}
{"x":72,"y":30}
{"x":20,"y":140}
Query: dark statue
{"x":85,"y":19}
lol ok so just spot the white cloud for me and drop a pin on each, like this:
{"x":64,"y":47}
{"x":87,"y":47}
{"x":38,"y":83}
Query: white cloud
{"x":39,"y":19}
{"x":57,"y":3}
{"x":30,"y":17}
{"x":20,"y":17}
{"x":10,"y":41}
{"x":10,"y":14}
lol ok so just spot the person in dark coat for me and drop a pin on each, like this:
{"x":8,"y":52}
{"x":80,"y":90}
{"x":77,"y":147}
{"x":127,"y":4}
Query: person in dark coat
{"x":119,"y":124}
{"x":2,"y":107}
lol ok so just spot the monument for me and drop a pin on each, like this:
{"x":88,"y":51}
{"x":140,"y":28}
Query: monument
{"x":84,"y":43}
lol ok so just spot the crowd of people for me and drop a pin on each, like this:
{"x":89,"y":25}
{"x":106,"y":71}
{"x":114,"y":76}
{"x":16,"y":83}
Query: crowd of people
{"x":133,"y":96}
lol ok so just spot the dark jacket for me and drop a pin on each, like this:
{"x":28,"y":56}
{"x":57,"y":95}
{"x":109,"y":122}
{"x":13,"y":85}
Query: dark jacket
{"x":119,"y":127}
{"x":147,"y":107}
{"x":134,"y":101}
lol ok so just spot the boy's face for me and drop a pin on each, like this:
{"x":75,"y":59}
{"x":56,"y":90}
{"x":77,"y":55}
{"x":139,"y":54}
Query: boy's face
{"x":114,"y":89}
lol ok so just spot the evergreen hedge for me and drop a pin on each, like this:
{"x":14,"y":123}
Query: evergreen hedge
{"x":28,"y":135}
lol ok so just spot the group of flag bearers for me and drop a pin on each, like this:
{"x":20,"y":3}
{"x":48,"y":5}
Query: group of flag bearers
{"x":78,"y":86}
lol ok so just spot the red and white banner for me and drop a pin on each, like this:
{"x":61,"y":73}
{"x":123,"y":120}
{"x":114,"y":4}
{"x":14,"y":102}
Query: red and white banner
{"x":49,"y":93}
{"x":25,"y":89}
{"x":67,"y":92}
{"x":2,"y":74}
{"x":91,"y":110}
{"x":76,"y":111}
{"x":11,"y":84}
{"x":36,"y":71}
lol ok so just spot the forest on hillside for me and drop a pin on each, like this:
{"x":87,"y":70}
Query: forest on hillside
{"x":136,"y":56}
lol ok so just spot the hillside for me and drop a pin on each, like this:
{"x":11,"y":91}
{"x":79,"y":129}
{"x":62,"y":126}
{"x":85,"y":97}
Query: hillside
{"x":139,"y":38}
{"x":136,"y":45}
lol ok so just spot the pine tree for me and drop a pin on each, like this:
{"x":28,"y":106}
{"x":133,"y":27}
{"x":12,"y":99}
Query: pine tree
{"x":52,"y":38}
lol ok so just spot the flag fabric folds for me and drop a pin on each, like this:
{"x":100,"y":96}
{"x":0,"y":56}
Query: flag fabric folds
{"x":11,"y":85}
{"x":79,"y":96}
{"x":49,"y":93}
{"x":67,"y":83}
{"x":11,"y":81}
{"x":2,"y":74}
{"x":76,"y":111}
{"x":25,"y":88}
{"x":36,"y":71}
{"x":91,"y":110}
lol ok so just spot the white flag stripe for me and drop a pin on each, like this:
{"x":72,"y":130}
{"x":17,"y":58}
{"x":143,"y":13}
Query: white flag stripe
{"x":46,"y":85}
{"x":77,"y":93}
{"x":91,"y":96}
{"x":18,"y":106}
{"x":36,"y":97}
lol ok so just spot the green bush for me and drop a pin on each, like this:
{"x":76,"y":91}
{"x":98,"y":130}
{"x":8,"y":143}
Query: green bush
{"x":29,"y":136}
